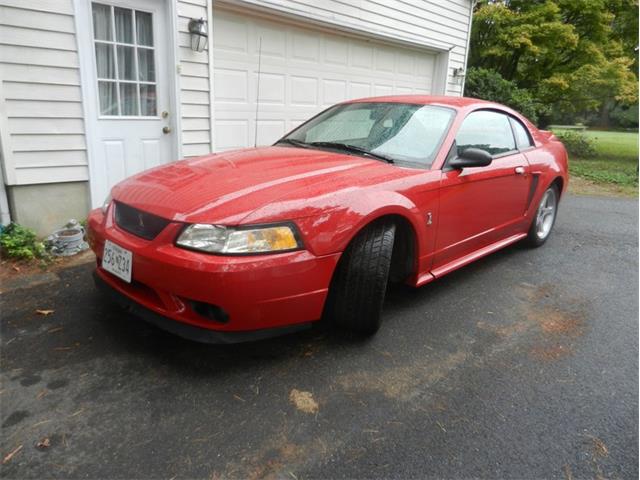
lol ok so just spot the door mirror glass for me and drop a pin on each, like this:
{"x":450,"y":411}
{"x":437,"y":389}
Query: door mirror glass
{"x":471,"y":157}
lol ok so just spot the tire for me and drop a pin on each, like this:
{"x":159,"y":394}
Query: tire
{"x":542,"y":224}
{"x":359,"y":283}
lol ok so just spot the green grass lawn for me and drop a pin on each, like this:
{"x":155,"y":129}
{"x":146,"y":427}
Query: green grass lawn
{"x":615,"y":162}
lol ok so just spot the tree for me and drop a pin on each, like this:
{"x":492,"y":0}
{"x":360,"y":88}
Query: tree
{"x":578,"y":56}
{"x":490,"y":85}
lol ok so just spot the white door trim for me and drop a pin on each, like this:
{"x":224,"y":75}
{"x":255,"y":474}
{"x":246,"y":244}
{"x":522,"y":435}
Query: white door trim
{"x":84,"y":41}
{"x":174,"y":68}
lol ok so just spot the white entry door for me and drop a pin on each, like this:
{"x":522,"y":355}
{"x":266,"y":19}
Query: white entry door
{"x":132,"y":120}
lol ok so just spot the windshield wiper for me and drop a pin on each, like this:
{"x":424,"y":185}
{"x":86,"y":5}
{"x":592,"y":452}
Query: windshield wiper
{"x":291,"y":141}
{"x":352,"y":148}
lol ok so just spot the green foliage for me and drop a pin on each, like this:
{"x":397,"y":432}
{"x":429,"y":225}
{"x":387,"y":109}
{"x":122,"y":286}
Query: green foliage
{"x":615,"y":161}
{"x":577,"y":144}
{"x":20,"y":243}
{"x":577,"y":56}
{"x":625,"y":117}
{"x":602,"y":171}
{"x":489,"y":85}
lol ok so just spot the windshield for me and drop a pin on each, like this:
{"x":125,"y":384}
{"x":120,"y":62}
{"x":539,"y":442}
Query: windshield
{"x":396,"y":132}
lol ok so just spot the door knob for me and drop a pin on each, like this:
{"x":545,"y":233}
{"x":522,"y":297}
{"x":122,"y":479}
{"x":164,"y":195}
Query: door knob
{"x":519,"y":170}
{"x":166,"y":130}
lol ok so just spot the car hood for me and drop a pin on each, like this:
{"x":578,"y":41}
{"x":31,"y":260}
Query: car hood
{"x":226,"y":187}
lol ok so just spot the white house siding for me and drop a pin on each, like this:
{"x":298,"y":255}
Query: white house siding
{"x":43,"y":146}
{"x":194,"y":83}
{"x":43,"y":137}
{"x":442,"y":25}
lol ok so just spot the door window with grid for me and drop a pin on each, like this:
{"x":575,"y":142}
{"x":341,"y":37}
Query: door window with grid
{"x":125,"y":61}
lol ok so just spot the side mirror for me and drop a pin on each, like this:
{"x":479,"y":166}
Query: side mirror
{"x":471,"y":157}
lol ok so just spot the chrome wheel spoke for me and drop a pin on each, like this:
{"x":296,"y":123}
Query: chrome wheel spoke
{"x":545,"y":215}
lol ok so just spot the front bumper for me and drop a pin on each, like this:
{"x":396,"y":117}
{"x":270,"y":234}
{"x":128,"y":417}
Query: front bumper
{"x":263,"y":292}
{"x":184,"y":330}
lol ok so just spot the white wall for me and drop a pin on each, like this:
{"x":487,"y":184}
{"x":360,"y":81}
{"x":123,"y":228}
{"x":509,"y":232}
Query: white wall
{"x":40,"y":98}
{"x":41,"y":110}
{"x":194,"y":83}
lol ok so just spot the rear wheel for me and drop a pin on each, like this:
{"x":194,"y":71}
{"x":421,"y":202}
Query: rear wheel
{"x":545,"y":217}
{"x":359,"y":284}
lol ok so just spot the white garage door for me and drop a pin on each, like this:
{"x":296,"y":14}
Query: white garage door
{"x":303,"y":70}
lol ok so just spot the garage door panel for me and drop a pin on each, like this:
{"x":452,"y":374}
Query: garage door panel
{"x":424,"y":65}
{"x":272,"y":88}
{"x":274,"y":42}
{"x":304,"y":91}
{"x":302,"y":71}
{"x":336,"y":52}
{"x":231,"y":133}
{"x":334,"y":91}
{"x":270,"y":130}
{"x":361,"y":56}
{"x":304,"y":47}
{"x":404,"y":90}
{"x":385,"y":60}
{"x":382,"y":90}
{"x":406,"y":63}
{"x":230,"y":33}
{"x":359,"y":89}
{"x":230,"y":85}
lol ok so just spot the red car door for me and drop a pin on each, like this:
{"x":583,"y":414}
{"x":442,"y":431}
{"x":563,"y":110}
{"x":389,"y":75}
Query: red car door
{"x":481,"y":205}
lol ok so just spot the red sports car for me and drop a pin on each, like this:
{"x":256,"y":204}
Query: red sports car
{"x":251,"y":243}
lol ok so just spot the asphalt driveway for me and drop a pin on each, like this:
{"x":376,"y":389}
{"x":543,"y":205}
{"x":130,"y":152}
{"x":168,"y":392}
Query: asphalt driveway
{"x":523,"y":365}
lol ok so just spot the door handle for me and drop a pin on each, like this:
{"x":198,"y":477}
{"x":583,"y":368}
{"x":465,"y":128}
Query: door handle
{"x":519,"y":170}
{"x":166,"y":130}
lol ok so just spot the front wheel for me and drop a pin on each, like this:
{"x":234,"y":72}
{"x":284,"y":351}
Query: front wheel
{"x":545,"y":217}
{"x":359,"y":284}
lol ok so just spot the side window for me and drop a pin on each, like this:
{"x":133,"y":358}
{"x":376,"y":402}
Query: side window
{"x":523,"y":140}
{"x":487,"y":130}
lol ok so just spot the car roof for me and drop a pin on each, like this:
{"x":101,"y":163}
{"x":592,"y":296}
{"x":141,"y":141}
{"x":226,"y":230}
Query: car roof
{"x":452,"y":102}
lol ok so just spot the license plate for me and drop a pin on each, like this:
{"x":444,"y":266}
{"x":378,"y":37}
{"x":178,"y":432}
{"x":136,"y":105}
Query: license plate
{"x":117,"y":260}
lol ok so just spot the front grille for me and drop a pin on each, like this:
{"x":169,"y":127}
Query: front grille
{"x":139,"y":223}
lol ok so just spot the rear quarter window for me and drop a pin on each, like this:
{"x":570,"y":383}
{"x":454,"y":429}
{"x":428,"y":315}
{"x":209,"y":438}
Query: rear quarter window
{"x":523,"y":138}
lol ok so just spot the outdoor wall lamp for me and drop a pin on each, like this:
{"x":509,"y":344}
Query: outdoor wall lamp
{"x":199,"y":34}
{"x":458,"y":72}
{"x":458,"y":75}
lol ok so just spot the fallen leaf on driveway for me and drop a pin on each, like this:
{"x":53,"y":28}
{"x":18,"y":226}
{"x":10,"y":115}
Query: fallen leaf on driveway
{"x":10,"y":455}
{"x":44,"y":443}
{"x":44,"y":312}
{"x":303,"y":401}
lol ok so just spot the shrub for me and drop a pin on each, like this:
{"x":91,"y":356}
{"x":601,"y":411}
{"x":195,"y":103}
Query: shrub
{"x":20,"y":243}
{"x":490,"y":85}
{"x":625,"y":117}
{"x":577,"y":144}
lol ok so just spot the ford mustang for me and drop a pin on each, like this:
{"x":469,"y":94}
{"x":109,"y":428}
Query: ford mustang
{"x":247,"y":244}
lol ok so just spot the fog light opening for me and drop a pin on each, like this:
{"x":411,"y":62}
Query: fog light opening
{"x":210,"y":312}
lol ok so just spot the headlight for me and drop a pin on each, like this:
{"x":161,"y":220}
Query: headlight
{"x":105,"y":204}
{"x":243,"y":240}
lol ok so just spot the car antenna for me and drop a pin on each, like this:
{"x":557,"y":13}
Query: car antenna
{"x":255,"y":130}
